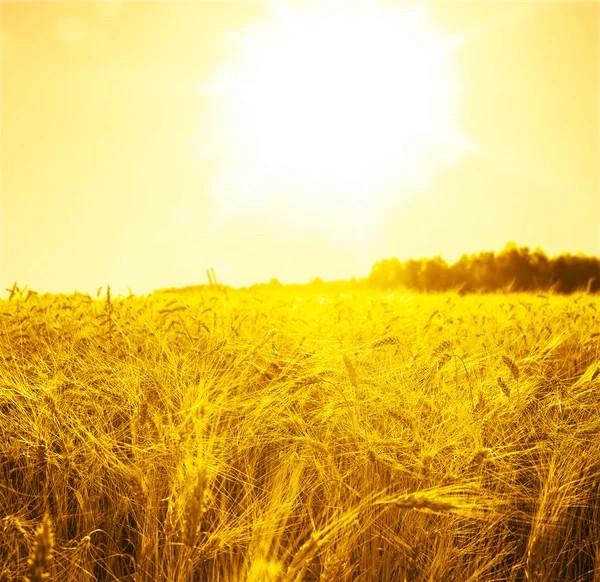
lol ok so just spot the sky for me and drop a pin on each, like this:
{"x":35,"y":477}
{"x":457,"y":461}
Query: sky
{"x":143,"y":142}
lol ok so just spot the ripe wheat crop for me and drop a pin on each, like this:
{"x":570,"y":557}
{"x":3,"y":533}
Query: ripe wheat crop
{"x":258,"y":436}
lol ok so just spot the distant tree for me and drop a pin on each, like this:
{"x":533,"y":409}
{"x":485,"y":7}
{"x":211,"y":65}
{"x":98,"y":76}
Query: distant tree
{"x":542,"y":269}
{"x":411,"y":275}
{"x":386,"y":274}
{"x":515,"y":268}
{"x":484,"y":272}
{"x":462,"y":275}
{"x":434,"y":274}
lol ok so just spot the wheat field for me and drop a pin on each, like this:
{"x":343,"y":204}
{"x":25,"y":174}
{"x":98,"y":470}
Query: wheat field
{"x":276,"y":435}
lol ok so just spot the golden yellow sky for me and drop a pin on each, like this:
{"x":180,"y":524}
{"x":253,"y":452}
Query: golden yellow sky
{"x":122,"y":164}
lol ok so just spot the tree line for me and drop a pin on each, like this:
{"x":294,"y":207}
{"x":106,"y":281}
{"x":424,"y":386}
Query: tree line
{"x":514,"y":268}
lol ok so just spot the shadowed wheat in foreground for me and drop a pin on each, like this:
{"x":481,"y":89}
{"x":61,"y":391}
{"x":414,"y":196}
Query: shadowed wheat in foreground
{"x":261,"y":436}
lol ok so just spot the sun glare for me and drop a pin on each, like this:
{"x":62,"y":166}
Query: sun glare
{"x":335,"y":109}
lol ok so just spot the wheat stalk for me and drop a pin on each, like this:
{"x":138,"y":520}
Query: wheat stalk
{"x":81,"y":559}
{"x":196,"y":508}
{"x":303,"y":556}
{"x":390,"y":340}
{"x":351,"y":371}
{"x":12,"y":525}
{"x":169,"y":526}
{"x":333,"y":565}
{"x":504,"y":387}
{"x":513,"y":368}
{"x":421,"y":501}
{"x":444,"y":346}
{"x":137,"y":483}
{"x":41,"y":557}
{"x":443,"y":360}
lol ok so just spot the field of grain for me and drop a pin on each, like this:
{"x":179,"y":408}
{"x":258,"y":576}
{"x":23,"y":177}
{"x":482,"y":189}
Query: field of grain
{"x":270,"y":436}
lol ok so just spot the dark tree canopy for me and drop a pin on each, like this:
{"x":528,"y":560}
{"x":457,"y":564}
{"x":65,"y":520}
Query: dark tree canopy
{"x":514,"y":268}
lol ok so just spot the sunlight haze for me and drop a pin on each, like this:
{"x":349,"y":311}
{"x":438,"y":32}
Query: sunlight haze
{"x":144,"y":142}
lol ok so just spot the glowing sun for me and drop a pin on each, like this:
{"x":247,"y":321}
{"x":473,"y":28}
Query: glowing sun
{"x":335,"y":108}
